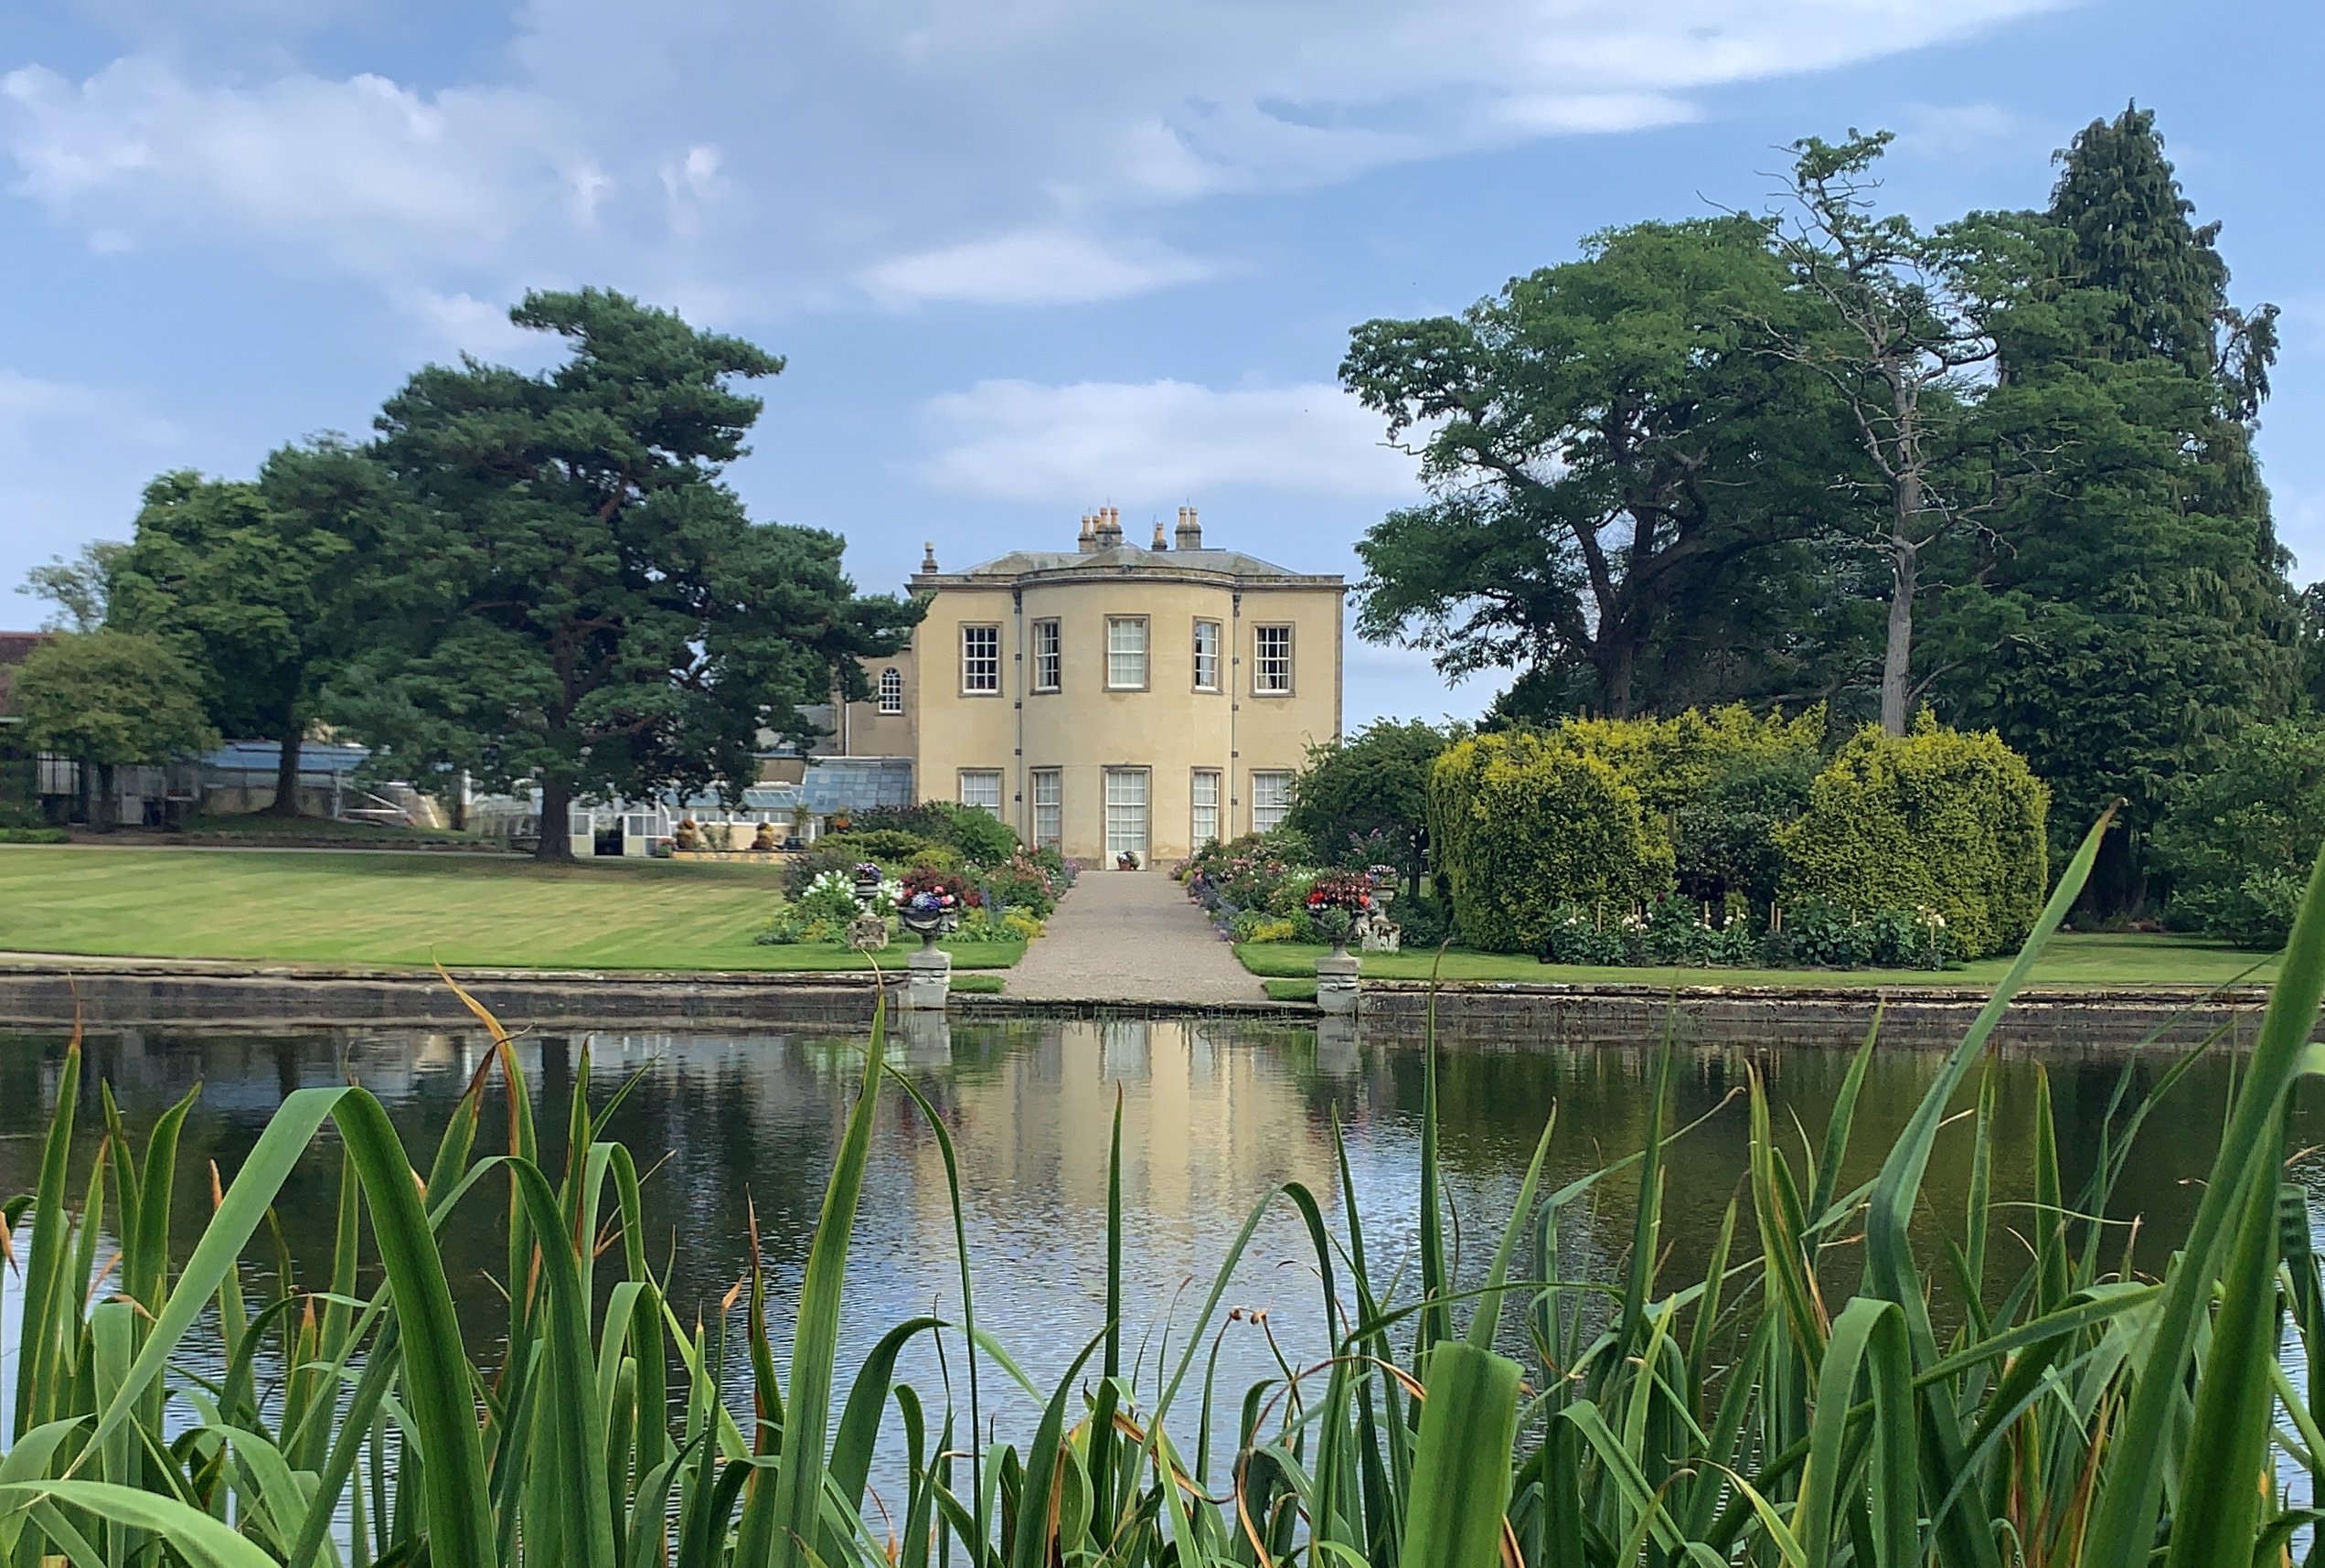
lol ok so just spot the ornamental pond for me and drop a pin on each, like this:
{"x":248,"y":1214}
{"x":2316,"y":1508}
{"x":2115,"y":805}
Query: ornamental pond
{"x":737,"y":1127}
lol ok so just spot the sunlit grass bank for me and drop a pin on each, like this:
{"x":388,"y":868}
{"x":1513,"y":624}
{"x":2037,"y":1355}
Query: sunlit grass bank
{"x":2132,"y":961}
{"x":484,"y":911}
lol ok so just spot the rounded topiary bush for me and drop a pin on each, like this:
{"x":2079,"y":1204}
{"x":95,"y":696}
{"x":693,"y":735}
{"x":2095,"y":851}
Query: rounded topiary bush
{"x":1947,"y":821}
{"x":2238,"y":839}
{"x":1528,"y":827}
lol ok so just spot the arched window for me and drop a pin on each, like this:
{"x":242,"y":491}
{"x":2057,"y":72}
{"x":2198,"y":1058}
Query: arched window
{"x":892,"y":690}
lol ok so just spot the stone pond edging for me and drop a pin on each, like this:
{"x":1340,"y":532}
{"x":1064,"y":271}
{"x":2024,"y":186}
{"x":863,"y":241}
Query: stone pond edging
{"x":41,"y":991}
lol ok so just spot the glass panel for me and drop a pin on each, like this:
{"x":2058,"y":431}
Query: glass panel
{"x":892,"y":690}
{"x":1048,"y":797}
{"x":1046,"y":661}
{"x":981,"y":658}
{"x":982,"y":786}
{"x":1126,"y":812}
{"x":1125,"y":652}
{"x":1207,"y":656}
{"x":1204,"y":827}
{"x":1272,"y":658}
{"x":1271,"y":800}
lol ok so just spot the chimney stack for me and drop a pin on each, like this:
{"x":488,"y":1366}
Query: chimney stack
{"x":1089,"y":539}
{"x":928,"y":556}
{"x":1109,"y":527}
{"x":1190,"y":532}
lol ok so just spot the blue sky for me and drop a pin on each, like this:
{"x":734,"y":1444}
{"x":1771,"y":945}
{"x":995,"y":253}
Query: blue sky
{"x":1024,"y":257}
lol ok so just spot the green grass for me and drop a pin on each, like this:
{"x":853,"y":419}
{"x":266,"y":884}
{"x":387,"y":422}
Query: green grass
{"x":1289,"y":990}
{"x":323,"y":908}
{"x":978,"y":985}
{"x":261,"y":825}
{"x":2132,"y":960}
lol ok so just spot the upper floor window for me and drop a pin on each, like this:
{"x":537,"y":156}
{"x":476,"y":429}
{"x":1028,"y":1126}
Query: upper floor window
{"x":1126,"y":652}
{"x":1206,"y":656}
{"x":1272,"y":660}
{"x":892,"y":690}
{"x":981,"y":659}
{"x":1048,"y":662}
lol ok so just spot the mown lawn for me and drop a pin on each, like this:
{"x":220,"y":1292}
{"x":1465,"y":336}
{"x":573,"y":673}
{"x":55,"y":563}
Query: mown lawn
{"x":2131,"y":961}
{"x":327,"y":908}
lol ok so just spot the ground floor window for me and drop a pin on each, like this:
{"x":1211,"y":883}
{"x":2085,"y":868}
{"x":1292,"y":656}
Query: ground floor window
{"x":1271,"y":800}
{"x":982,"y":787}
{"x":1048,"y":808}
{"x":1203,"y":826}
{"x":1126,"y":812}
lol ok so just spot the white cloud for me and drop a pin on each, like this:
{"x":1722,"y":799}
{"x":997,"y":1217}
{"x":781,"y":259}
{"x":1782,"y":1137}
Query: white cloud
{"x":1157,"y":443}
{"x":33,"y":411}
{"x":1035,"y":267}
{"x":1010,"y":151}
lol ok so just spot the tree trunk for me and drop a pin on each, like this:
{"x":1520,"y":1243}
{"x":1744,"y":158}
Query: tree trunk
{"x":101,"y":809}
{"x":1904,"y":573}
{"x":286,"y":770}
{"x":1617,"y":659}
{"x":557,"y":821}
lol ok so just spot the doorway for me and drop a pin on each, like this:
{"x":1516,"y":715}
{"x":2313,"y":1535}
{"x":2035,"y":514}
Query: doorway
{"x":1126,"y":813}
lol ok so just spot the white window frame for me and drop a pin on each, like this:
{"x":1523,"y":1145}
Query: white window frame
{"x":1203,"y":816}
{"x":1048,"y":655}
{"x":892,"y":690}
{"x":1207,"y":659}
{"x":1117,"y":812}
{"x":1048,"y":807}
{"x":973,"y":665}
{"x":1143,"y":652}
{"x":983,"y":775}
{"x":1268,"y":814}
{"x":1267,"y":681}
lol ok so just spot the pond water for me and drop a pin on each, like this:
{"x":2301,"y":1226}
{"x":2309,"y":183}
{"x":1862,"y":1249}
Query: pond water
{"x":1215,"y":1116}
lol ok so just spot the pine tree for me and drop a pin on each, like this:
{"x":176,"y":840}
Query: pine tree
{"x":2140,"y":611}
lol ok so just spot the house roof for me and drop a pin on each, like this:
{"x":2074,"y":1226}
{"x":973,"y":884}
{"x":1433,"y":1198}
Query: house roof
{"x":1118,"y":561}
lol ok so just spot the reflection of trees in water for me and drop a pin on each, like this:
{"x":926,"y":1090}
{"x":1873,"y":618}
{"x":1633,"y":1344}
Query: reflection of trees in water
{"x":1214,"y":1112}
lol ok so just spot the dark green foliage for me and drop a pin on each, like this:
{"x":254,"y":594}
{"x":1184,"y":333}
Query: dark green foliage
{"x":1364,"y":801}
{"x":884,"y":844}
{"x":569,"y":593}
{"x":2234,"y":836}
{"x":109,"y":698}
{"x":1525,"y":823}
{"x":1623,"y":478}
{"x":983,"y":839}
{"x":2134,"y":611}
{"x":1937,"y":822}
{"x":1725,"y":834}
{"x":250,"y":581}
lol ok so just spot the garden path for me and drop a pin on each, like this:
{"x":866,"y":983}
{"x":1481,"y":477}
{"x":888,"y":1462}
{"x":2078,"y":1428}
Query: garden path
{"x":1130,"y":936}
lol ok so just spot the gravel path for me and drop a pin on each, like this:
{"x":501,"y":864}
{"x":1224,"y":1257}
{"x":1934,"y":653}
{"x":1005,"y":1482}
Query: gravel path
{"x":1130,"y":936}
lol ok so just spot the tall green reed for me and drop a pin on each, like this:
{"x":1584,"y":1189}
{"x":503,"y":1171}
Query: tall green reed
{"x":2009,"y":1392}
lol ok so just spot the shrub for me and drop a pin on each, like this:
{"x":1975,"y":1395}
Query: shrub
{"x":794,"y":925}
{"x":1250,"y":927}
{"x":983,"y":839}
{"x":1025,"y":882}
{"x":1937,"y":820}
{"x":34,"y":836}
{"x":888,"y":846}
{"x":1365,"y":798}
{"x":2237,"y":840}
{"x":1524,"y":823}
{"x":1018,"y":925}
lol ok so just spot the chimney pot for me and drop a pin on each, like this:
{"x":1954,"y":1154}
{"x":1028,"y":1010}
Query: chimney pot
{"x":928,"y":556}
{"x":1160,"y":543}
{"x":1191,"y":529}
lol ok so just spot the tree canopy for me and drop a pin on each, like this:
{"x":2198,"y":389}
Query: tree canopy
{"x":566,"y":592}
{"x":108,"y":698}
{"x":1364,"y":800}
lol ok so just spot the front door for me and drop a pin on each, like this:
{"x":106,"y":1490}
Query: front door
{"x":1126,"y":813}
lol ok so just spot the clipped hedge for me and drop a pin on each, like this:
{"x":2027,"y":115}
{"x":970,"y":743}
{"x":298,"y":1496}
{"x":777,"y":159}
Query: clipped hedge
{"x":1944,"y":820}
{"x":1527,"y":824}
{"x":2238,"y":839}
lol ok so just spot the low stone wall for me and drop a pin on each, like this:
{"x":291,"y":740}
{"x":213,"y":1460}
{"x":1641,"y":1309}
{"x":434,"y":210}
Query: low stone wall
{"x":1909,"y":1017}
{"x":224,"y":996}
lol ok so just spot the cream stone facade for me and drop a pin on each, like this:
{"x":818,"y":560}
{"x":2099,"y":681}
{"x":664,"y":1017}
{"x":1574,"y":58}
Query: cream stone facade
{"x":1111,"y":699}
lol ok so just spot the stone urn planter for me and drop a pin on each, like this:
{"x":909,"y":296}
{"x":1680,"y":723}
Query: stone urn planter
{"x":928,"y":924}
{"x":868,"y":880}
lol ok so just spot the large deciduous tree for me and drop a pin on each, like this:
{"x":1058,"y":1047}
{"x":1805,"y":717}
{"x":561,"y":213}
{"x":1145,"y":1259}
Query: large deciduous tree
{"x":250,"y":581}
{"x":1364,"y":798}
{"x":574,"y":597}
{"x":1620,"y":475}
{"x":109,"y":698}
{"x":1903,"y":340}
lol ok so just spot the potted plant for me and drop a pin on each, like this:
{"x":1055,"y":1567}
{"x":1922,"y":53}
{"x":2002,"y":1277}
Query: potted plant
{"x":868,"y":876}
{"x":931,"y":903}
{"x":1336,"y":903}
{"x":1384,"y":885}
